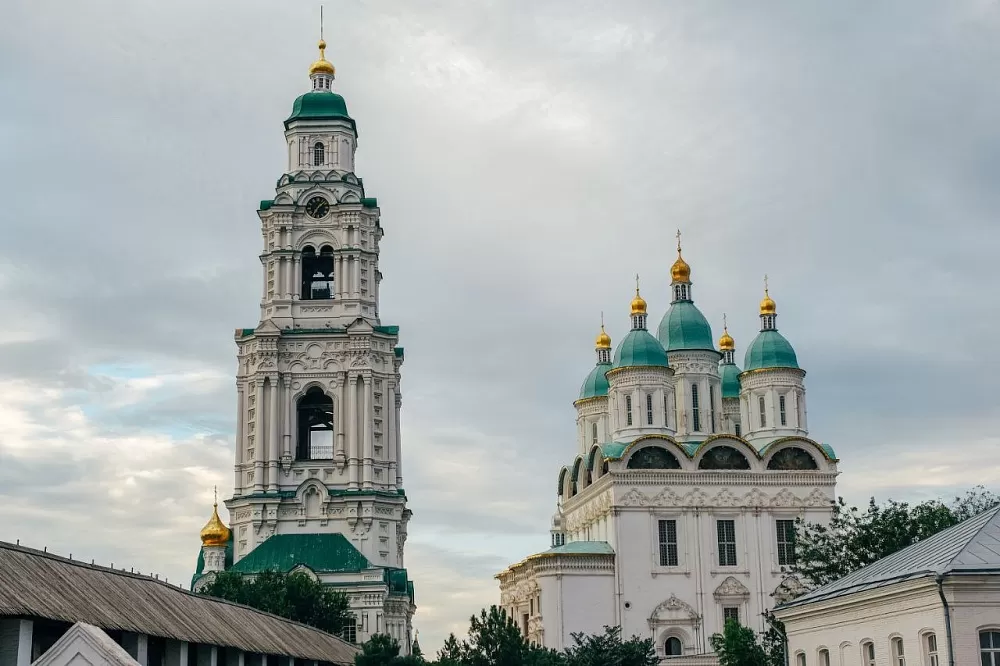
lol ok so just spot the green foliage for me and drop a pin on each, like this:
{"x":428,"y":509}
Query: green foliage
{"x":607,"y":649}
{"x":380,"y":650}
{"x":295,"y":596}
{"x":738,"y":646}
{"x":854,"y":539}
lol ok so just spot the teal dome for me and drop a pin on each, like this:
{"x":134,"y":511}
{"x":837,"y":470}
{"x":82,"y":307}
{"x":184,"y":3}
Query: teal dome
{"x":685,"y":327}
{"x":730,"y":375}
{"x":596,"y":384}
{"x":639,"y":348}
{"x":770,"y":349}
{"x":319,"y":105}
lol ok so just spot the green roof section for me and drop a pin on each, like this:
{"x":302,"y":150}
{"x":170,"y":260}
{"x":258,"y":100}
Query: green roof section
{"x":399,"y":582}
{"x":639,"y":348}
{"x":596,"y":383}
{"x":613,"y":450}
{"x":829,"y":451}
{"x":369,"y":202}
{"x":398,"y":351}
{"x":684,"y":327}
{"x":770,"y":349}
{"x":319,"y":552}
{"x":319,"y":105}
{"x":388,"y":330}
{"x":729,"y":373}
{"x":266,"y":204}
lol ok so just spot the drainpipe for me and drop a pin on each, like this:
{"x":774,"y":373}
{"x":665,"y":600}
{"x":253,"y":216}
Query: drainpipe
{"x":947,"y":620}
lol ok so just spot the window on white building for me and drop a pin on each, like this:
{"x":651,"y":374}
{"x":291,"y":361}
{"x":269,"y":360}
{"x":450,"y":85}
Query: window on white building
{"x":666,"y":412}
{"x":800,"y":659}
{"x":711,"y":406}
{"x":738,"y":433}
{"x":668,"y":543}
{"x":898,"y":658}
{"x":786,"y":541}
{"x":628,"y":410}
{"x":727,"y":542}
{"x":350,"y":631}
{"x":931,"y":650}
{"x":763,"y":411}
{"x":593,"y":433}
{"x":673,"y":647}
{"x":731,"y":614}
{"x":824,"y":657}
{"x":319,"y":154}
{"x":649,"y":409}
{"x":868,"y":654}
{"x":695,"y":412}
{"x":781,"y":409}
{"x":989,"y":648}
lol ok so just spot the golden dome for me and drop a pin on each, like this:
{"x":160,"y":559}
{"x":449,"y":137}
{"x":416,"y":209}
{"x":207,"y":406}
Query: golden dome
{"x":638,"y":303}
{"x":215,"y":532}
{"x":767,"y":306}
{"x":322,"y":66}
{"x":726,"y":342}
{"x":603,"y":339}
{"x":680,"y":271}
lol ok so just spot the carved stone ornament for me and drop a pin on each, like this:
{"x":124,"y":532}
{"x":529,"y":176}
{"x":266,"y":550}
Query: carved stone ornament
{"x":789,"y":588}
{"x":674,"y":611}
{"x":786,"y":499}
{"x":731,"y":589}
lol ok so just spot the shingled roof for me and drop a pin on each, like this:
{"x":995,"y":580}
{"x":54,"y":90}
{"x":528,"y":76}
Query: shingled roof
{"x":42,"y":585}
{"x":971,"y":547}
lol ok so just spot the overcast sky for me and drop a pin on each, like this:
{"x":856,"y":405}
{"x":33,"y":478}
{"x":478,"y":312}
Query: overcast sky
{"x":529,"y":157}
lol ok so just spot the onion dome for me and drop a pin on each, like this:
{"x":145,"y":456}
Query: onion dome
{"x":769,"y":349}
{"x":726,"y":342}
{"x":638,"y":303}
{"x":596,"y":384}
{"x":680,"y":271}
{"x":215,"y":532}
{"x":322,"y":66}
{"x":767,"y":305}
{"x":603,"y":339}
{"x":319,"y":105}
{"x":639,"y":348}
{"x":729,"y":374}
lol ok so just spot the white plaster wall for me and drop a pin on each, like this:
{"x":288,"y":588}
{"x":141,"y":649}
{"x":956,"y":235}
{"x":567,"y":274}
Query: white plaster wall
{"x":575,"y":602}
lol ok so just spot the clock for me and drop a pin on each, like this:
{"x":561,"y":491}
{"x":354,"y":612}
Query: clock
{"x":317,"y":207}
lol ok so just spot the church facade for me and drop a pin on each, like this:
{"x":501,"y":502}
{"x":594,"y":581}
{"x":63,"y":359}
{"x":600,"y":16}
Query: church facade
{"x":677,"y":511}
{"x":318,"y":475}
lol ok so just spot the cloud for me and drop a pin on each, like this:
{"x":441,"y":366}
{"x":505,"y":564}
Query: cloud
{"x":529,"y":159}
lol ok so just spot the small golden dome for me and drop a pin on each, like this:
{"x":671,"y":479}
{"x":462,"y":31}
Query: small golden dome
{"x":322,"y":66}
{"x":680,"y":271}
{"x":726,"y":342}
{"x":638,"y":304}
{"x":603,"y":339}
{"x":767,"y":306}
{"x":215,"y":532}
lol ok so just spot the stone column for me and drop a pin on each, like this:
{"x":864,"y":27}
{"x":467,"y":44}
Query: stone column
{"x":340,"y":415}
{"x":352,"y":430}
{"x":339,"y":275}
{"x":366,"y":416}
{"x":286,"y":400}
{"x":389,"y":431}
{"x":296,"y":277}
{"x":241,"y":417}
{"x":272,"y":436}
{"x":355,"y":276}
{"x":399,"y":448}
{"x":260,"y":450}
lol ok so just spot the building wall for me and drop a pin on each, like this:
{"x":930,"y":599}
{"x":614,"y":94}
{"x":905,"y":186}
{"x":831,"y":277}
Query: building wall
{"x":577,"y":602}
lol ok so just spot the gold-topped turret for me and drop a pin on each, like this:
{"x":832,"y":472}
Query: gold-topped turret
{"x":680,"y":271}
{"x":726,"y":342}
{"x":638,"y":303}
{"x":215,"y":532}
{"x":767,"y":305}
{"x":603,"y":339}
{"x":322,"y":66}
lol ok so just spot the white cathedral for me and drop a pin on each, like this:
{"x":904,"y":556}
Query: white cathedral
{"x":678,"y":511}
{"x":318,"y":482}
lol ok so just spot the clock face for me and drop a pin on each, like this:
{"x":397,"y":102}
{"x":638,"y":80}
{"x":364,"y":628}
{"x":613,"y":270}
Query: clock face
{"x":317,"y":207}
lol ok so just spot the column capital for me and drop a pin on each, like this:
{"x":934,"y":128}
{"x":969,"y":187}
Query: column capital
{"x":286,"y":379}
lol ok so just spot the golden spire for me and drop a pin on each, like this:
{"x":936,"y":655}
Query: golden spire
{"x":322,"y":66}
{"x":638,"y":304}
{"x":603,"y":339}
{"x":215,"y":532}
{"x":680,"y":271}
{"x":726,"y":342}
{"x":767,"y":305}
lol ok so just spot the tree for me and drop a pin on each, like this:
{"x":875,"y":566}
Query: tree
{"x":738,"y":646}
{"x":295,"y":596}
{"x":380,"y":650}
{"x":607,"y":649}
{"x":495,"y":640}
{"x":854,"y":539}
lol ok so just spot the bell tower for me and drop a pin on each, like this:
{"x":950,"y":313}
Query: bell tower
{"x":318,"y":382}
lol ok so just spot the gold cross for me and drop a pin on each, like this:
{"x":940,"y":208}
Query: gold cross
{"x":636,"y":284}
{"x":725,"y":326}
{"x":765,"y":284}
{"x":678,"y":240}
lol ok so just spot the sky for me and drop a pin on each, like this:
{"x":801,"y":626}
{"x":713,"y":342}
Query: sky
{"x":530,"y":157}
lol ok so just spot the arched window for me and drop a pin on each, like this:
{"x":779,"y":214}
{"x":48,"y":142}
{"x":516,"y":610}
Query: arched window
{"x":824,"y":657}
{"x":763,"y":411}
{"x":792,"y":458}
{"x":653,"y":457}
{"x":723,"y":457}
{"x":628,"y":410}
{"x":898,"y":658}
{"x":319,"y":154}
{"x":315,"y":420}
{"x":666,"y":412}
{"x":673,"y":647}
{"x":593,"y":434}
{"x":868,"y":654}
{"x":738,"y":433}
{"x":711,"y":406}
{"x":317,"y":273}
{"x":695,"y":413}
{"x":800,"y":659}
{"x":930,"y":650}
{"x":649,"y":409}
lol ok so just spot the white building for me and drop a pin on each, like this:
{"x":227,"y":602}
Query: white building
{"x":933,"y":604}
{"x":318,"y":473}
{"x":678,"y":510}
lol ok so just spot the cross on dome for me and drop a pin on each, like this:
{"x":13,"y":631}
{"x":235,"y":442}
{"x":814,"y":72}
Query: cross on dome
{"x":680,"y":271}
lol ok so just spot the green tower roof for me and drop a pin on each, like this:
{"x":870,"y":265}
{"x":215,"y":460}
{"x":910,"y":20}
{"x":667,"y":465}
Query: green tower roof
{"x":596,"y":384}
{"x":770,"y":349}
{"x":730,"y":375}
{"x":319,"y":105}
{"x":639,"y":348}
{"x":685,"y":327}
{"x":319,"y":552}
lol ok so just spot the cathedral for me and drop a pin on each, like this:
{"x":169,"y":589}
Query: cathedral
{"x":318,"y":484}
{"x":677,"y":512}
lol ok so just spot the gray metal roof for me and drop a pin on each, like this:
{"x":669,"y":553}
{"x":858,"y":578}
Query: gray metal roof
{"x":972,"y":546}
{"x":37,"y":584}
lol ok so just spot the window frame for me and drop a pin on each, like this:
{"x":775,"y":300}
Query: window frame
{"x":723,"y":547}
{"x":994,"y":648}
{"x":711,"y":408}
{"x":868,"y":655}
{"x":781,"y":410}
{"x":800,"y":658}
{"x":695,"y":412}
{"x":649,"y":409}
{"x":897,"y":650}
{"x":931,"y":657}
{"x":784,"y":550}
{"x":820,"y":656}
{"x":733,"y":611}
{"x":680,"y":646}
{"x":663,"y":547}
{"x":319,"y":154}
{"x":762,"y":404}
{"x":628,"y":410}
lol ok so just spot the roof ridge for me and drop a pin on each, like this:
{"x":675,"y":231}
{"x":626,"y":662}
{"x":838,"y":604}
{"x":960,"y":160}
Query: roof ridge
{"x":972,"y":537}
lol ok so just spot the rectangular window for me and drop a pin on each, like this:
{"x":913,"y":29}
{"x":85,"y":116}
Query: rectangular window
{"x":989,"y":648}
{"x":695,"y":416}
{"x":711,"y":406}
{"x":649,"y":409}
{"x":668,"y":543}
{"x":628,"y":410}
{"x":731,"y":614}
{"x":781,"y":409}
{"x":763,"y":412}
{"x":727,"y":542}
{"x":930,"y":643}
{"x":594,"y":434}
{"x":786,"y":541}
{"x":738,"y":434}
{"x":666,"y":412}
{"x":898,"y":659}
